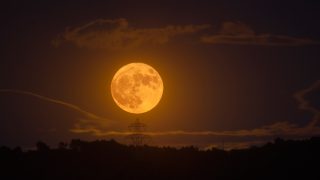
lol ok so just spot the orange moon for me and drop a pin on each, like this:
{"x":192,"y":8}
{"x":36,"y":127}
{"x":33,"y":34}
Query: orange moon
{"x":136,"y":88}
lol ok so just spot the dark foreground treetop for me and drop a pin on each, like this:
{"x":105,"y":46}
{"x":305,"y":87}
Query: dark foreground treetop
{"x":110,"y":160}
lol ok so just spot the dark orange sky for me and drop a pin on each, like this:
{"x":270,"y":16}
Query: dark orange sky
{"x":238,"y":72}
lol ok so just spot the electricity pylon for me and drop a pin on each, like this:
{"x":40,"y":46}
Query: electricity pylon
{"x":137,"y":136}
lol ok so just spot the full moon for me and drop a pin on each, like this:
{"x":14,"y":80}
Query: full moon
{"x":136,"y":88}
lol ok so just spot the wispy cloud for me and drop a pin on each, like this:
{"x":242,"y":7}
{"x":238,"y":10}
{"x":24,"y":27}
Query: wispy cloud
{"x":97,"y":126}
{"x":278,"y":129}
{"x":87,"y":119}
{"x":238,"y":33}
{"x":304,"y":104}
{"x":115,"y":34}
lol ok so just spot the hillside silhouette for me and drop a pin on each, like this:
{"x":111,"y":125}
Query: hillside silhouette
{"x":281,"y":159}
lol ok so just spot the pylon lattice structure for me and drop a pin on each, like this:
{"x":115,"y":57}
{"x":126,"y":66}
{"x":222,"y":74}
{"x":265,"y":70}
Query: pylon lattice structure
{"x":137,"y":136}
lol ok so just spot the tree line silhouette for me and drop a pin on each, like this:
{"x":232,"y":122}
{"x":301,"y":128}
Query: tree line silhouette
{"x":102,"y":159}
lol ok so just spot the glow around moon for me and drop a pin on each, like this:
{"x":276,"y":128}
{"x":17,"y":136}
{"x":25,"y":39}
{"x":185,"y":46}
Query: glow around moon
{"x":136,"y":88}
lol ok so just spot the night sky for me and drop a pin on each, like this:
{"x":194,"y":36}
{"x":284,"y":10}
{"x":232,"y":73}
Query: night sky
{"x":235,"y":72}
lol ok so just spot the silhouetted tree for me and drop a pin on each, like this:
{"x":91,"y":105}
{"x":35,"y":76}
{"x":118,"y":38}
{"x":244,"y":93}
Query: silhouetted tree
{"x":102,"y":159}
{"x":76,"y":144}
{"x":17,"y":150}
{"x":279,"y":141}
{"x":62,"y":145}
{"x":42,"y":147}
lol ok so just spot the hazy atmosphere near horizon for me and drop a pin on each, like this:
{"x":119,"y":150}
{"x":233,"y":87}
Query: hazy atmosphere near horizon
{"x":196,"y":72}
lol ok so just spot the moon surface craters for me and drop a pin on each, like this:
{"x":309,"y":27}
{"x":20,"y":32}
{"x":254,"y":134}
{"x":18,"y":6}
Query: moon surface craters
{"x":137,"y":88}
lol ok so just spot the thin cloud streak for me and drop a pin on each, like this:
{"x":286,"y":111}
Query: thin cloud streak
{"x":237,"y":33}
{"x":88,"y":115}
{"x":305,"y":105}
{"x":280,"y":129}
{"x":88,"y":125}
{"x":116,"y":34}
{"x":277,"y":129}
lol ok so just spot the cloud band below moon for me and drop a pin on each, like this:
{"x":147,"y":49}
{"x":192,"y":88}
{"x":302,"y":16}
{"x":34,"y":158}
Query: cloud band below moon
{"x":89,"y":125}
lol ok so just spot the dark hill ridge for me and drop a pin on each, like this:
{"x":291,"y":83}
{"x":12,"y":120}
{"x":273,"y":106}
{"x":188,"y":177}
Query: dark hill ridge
{"x":282,"y":159}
